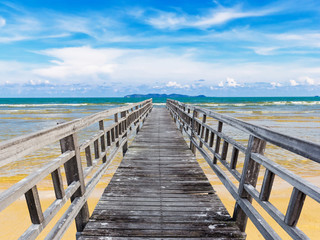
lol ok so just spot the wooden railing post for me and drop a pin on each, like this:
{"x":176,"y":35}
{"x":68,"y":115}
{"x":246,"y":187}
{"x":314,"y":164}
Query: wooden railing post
{"x":58,"y":184}
{"x":204,"y":119}
{"x":116,"y":120}
{"x":125,"y":145}
{"x":188,"y":120}
{"x":217,"y":148}
{"x":192,"y":146}
{"x":250,"y":173}
{"x":295,"y":207}
{"x":34,"y":206}
{"x":74,"y":172}
{"x":103,"y":140}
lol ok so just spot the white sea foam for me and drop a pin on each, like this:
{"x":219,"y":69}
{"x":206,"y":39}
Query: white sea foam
{"x":260,"y":103}
{"x":44,"y":105}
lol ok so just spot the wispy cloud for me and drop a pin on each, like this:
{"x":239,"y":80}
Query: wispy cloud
{"x":22,"y":24}
{"x":264,"y":50}
{"x":213,"y":17}
{"x":2,"y":22}
{"x":224,"y":15}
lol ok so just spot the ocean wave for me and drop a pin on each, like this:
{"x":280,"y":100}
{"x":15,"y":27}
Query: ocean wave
{"x":259,"y":103}
{"x":291,"y":103}
{"x":44,"y":105}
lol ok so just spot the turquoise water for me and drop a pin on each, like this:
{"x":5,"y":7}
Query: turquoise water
{"x":293,"y":115}
{"x":253,"y":100}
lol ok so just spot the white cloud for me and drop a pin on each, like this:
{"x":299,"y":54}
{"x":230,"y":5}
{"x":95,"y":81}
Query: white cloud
{"x":167,"y":20}
{"x":275,"y":84}
{"x":2,"y":22}
{"x":309,"y":81}
{"x":218,"y":16}
{"x":232,"y":83}
{"x":152,"y":67}
{"x":264,"y":50}
{"x":176,"y":85}
{"x":293,"y":83}
{"x":223,"y":15}
{"x":79,"y":61}
{"x":221,"y":84}
{"x":38,"y":82}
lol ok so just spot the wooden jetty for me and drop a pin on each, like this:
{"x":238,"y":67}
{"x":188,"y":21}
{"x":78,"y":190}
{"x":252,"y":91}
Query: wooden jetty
{"x":159,"y":191}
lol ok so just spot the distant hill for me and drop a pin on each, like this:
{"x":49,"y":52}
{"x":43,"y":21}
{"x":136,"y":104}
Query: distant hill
{"x":156,"y":95}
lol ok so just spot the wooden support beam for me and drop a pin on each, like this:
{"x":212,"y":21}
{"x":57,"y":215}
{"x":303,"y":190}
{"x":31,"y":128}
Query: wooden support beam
{"x":96,"y":149}
{"x":266,"y":185}
{"x":34,"y":206}
{"x":295,"y":207}
{"x":58,"y":184}
{"x":74,"y":172}
{"x":192,"y":146}
{"x":108,"y":139}
{"x":204,"y":119}
{"x":250,"y":173}
{"x":87,"y":151}
{"x":217,"y":148}
{"x":211,"y":139}
{"x":102,"y":140}
{"x":112,"y":134}
{"x":206,"y":136}
{"x":234,"y":158}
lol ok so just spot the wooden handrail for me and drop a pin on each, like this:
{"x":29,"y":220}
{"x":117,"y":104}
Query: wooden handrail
{"x":106,"y":144}
{"x":14,"y":149}
{"x":208,"y":142}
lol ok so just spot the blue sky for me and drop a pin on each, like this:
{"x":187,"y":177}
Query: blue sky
{"x":116,"y":47}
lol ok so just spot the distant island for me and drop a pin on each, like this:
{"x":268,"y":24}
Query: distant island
{"x":156,"y":95}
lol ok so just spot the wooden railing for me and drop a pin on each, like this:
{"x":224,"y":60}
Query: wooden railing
{"x":106,"y":143}
{"x":193,"y":121}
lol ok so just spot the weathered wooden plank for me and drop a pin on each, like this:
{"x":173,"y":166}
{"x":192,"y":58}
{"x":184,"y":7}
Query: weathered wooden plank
{"x":250,"y":173}
{"x":217,"y":147}
{"x":58,"y":183}
{"x":74,"y":172}
{"x":266,"y":185}
{"x":34,"y":206}
{"x":295,"y":207}
{"x":159,"y":190}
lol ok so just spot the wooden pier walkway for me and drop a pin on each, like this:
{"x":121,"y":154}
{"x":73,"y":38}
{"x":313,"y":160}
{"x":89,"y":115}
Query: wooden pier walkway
{"x":159,"y":191}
